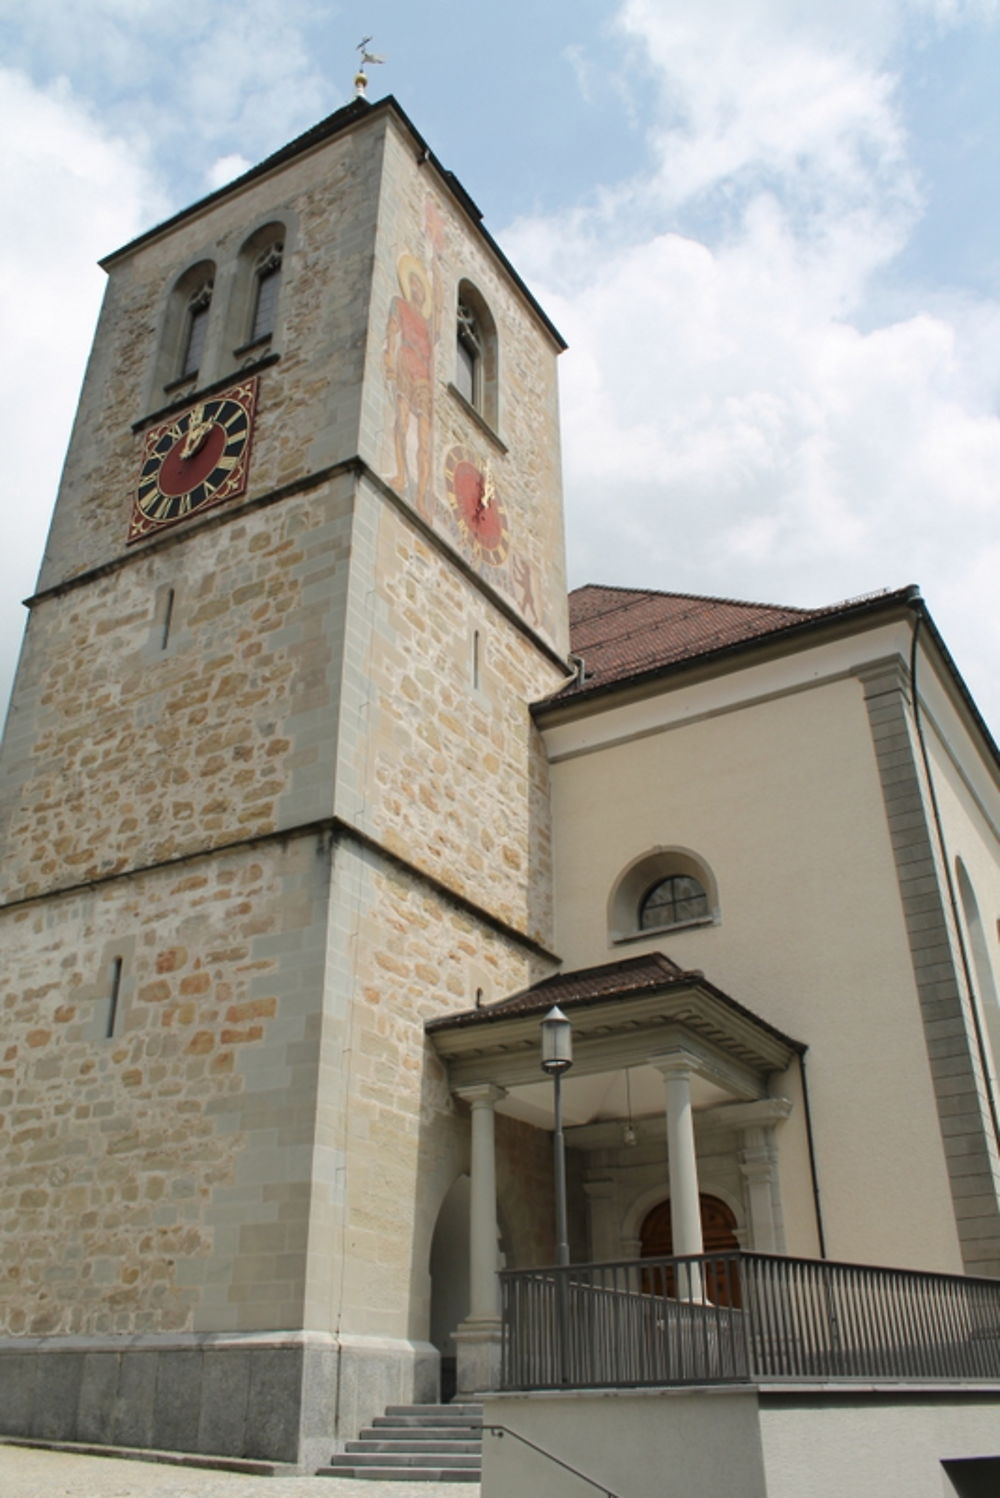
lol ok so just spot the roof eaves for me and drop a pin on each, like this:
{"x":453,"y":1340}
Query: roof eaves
{"x":570,"y":697}
{"x":680,"y":978}
{"x":350,"y":115}
{"x":948,"y":661}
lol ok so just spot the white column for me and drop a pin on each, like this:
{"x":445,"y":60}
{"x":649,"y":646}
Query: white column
{"x":682,"y":1160}
{"x":757,"y":1164}
{"x":484,"y":1292}
{"x":682,"y":1163}
{"x":477,"y":1340}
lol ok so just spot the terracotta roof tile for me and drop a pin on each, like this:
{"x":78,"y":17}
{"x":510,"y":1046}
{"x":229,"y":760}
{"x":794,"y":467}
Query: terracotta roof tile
{"x":612,"y":979}
{"x":623,"y":632}
{"x":650,"y":972}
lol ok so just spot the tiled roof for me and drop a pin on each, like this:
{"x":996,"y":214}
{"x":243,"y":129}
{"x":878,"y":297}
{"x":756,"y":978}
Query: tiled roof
{"x":611,"y":979}
{"x":624,"y":632}
{"x":652,"y":972}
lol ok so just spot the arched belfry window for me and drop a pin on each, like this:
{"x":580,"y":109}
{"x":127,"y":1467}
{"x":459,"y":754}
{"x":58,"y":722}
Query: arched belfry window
{"x":469,"y":361}
{"x":665,"y":889}
{"x":267,"y":283}
{"x":183,"y":353}
{"x":476,"y":355}
{"x":255,"y":303}
{"x":195,"y":330}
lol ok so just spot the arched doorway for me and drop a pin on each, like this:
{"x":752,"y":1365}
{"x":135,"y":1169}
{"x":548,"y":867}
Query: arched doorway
{"x":449,"y":1266}
{"x":718,"y":1231}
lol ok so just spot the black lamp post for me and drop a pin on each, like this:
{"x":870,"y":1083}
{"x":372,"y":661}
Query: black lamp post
{"x":557,"y":1057}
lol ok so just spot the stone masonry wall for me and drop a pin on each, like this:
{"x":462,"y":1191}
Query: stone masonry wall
{"x":157,"y":1180}
{"x":526,"y":1192}
{"x":420,"y":230}
{"x":121,"y":753}
{"x":399,"y":956}
{"x":309,"y":401}
{"x":445,"y":767}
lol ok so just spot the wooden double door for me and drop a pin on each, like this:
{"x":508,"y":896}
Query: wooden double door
{"x":718,"y":1231}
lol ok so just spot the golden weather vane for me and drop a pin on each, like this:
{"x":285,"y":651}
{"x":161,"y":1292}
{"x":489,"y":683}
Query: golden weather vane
{"x":367,"y":58}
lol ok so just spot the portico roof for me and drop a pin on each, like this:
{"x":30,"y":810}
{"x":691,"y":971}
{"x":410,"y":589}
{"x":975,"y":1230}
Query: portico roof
{"x":626,"y":1014}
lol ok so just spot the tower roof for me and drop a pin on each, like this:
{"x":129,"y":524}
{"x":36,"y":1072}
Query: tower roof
{"x":349,"y":117}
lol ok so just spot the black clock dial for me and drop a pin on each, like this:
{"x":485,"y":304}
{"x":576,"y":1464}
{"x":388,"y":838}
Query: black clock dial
{"x":194,"y":461}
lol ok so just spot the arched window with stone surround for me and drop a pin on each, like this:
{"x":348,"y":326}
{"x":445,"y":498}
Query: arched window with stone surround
{"x":195,"y":330}
{"x":673,"y":901}
{"x":266,"y":286}
{"x":666,"y":889}
{"x":476,"y":353}
{"x":255,"y":302}
{"x":183,"y":347}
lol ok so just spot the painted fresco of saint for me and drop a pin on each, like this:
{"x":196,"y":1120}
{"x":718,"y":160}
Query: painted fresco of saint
{"x":411,"y":335}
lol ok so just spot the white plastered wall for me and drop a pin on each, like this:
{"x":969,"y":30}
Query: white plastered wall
{"x":769,"y":775}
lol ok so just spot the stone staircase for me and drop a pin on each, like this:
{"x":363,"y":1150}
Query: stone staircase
{"x":416,"y":1443}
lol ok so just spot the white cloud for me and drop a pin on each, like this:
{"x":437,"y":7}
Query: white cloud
{"x":236,"y":70}
{"x":737,"y":417}
{"x":226,"y":169}
{"x":69,"y":193}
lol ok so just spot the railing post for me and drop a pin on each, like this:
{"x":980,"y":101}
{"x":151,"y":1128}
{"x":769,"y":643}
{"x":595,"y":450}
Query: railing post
{"x":797,"y":1318}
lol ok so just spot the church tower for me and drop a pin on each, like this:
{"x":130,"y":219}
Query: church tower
{"x":272,"y":799}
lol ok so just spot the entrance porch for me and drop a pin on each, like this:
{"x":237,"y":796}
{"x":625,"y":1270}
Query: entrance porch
{"x":673,"y":1111}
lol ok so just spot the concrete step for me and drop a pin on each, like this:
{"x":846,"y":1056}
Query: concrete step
{"x":385,"y":1441}
{"x":435,"y":1409}
{"x":429,"y":1422}
{"x":415,"y":1443}
{"x":403,"y":1474}
{"x":407,"y":1459}
{"x":381,"y":1428}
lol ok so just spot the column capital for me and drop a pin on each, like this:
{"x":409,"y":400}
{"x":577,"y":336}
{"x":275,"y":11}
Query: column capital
{"x":757,"y":1167}
{"x":889,"y":675}
{"x":481,"y":1094}
{"x":675,"y":1063}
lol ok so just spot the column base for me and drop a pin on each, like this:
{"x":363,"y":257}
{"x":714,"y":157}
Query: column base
{"x":478,"y":1346}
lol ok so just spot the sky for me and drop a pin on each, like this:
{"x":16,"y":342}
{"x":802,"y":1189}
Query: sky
{"x":768,"y":229}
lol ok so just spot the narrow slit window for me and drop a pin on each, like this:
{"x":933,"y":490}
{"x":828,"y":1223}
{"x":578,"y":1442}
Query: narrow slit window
{"x":168,"y":614}
{"x":116,"y":984}
{"x":475,"y":659}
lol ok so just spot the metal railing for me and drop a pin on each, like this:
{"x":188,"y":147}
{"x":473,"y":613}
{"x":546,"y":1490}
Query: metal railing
{"x":740,"y":1317}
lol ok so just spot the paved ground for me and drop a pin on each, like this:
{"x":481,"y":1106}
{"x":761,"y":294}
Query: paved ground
{"x":29,"y":1473}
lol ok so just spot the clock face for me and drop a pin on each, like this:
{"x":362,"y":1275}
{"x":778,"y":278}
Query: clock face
{"x":194,"y":461}
{"x":481,"y":517}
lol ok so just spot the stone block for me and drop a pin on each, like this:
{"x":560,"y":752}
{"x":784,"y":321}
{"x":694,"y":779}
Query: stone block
{"x":18,"y":1374}
{"x":132,"y":1415}
{"x":225,"y":1390}
{"x":98,"y":1393}
{"x":58,"y":1389}
{"x":178,"y":1398}
{"x":274,"y":1404}
{"x":317,"y":1432}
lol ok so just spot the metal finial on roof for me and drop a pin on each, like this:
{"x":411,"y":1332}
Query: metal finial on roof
{"x":361,"y":77}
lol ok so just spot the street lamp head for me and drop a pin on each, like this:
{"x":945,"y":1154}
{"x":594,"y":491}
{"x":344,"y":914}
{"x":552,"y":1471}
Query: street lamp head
{"x":557,"y":1043}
